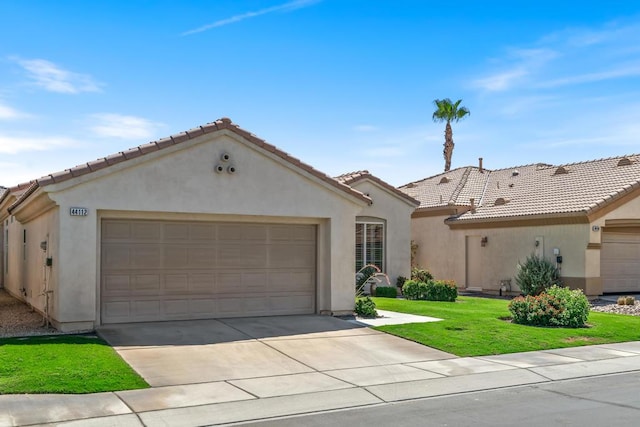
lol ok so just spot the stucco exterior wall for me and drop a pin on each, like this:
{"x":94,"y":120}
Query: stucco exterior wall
{"x":180,"y":183}
{"x":27,"y":274}
{"x":439,"y":249}
{"x":397,"y":216}
{"x":443,"y":250}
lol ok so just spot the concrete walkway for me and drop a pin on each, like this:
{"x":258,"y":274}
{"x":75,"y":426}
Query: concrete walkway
{"x":219,"y":402}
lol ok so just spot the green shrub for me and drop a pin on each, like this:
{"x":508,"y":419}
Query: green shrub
{"x":433,"y":290}
{"x":387,"y":291}
{"x":413,"y":289}
{"x":421,"y":275}
{"x":365,"y":307}
{"x":536,"y":275}
{"x":400,"y":281}
{"x":576,"y":306}
{"x":441,"y":290}
{"x":558,"y":306}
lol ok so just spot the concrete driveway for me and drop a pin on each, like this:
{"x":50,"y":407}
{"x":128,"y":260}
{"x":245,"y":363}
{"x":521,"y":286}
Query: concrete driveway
{"x":268,"y":355}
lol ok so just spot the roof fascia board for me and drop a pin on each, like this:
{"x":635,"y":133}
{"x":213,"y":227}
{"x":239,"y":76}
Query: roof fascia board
{"x":32,"y":206}
{"x":449,"y":210}
{"x":524,"y":221}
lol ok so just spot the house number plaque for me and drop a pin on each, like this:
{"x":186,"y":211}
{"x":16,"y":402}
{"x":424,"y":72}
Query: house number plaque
{"x":78,"y":211}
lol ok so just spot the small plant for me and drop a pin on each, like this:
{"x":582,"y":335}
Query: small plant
{"x":386,"y":291}
{"x":536,"y":275}
{"x":421,"y":275}
{"x":365,"y":307}
{"x":400,"y":281}
{"x":626,"y":300}
{"x":558,"y":306}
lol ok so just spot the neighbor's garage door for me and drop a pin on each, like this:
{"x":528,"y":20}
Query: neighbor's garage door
{"x":620,"y":262}
{"x":161,"y":270}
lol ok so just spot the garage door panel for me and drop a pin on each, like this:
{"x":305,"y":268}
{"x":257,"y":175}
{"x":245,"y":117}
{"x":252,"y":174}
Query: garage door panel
{"x":116,"y":231}
{"x":146,"y":231}
{"x":620,"y":262}
{"x":183,"y":270}
{"x":145,"y":284}
{"x":293,"y":256}
{"x":145,"y":256}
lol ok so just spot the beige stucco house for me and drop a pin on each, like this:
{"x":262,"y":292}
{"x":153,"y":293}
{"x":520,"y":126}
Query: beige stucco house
{"x":211,"y":222}
{"x":475,"y":225}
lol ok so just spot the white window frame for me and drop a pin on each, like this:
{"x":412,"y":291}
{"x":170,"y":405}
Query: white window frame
{"x":364,"y":261}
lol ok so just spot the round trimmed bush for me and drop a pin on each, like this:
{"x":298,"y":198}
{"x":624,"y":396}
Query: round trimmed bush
{"x":558,"y":306}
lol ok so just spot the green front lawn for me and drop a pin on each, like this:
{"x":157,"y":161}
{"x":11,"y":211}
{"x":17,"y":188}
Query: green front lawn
{"x":472,"y":327}
{"x":63,"y":364}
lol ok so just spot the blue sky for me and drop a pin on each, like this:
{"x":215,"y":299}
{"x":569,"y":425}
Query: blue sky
{"x":341,"y":84}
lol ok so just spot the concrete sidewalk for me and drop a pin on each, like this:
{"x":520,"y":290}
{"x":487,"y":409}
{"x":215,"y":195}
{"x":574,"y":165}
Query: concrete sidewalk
{"x":233,"y":401}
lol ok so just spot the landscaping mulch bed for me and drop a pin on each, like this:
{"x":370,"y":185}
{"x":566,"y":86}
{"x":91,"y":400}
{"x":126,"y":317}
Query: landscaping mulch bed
{"x":17,"y":319}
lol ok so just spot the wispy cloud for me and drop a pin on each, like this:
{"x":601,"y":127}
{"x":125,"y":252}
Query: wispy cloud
{"x":18,"y":144}
{"x":53,"y":78}
{"x":286,"y":7}
{"x":616,"y":73}
{"x":124,"y":127}
{"x":9,"y":113}
{"x":520,"y":64}
{"x":569,"y":57}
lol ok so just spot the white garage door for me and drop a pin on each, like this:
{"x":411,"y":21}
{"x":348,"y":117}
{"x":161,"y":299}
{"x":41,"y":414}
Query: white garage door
{"x":620,"y":262}
{"x":166,"y":270}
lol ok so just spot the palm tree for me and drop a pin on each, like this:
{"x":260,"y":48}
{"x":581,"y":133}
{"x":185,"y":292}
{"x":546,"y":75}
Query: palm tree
{"x":448,"y":111}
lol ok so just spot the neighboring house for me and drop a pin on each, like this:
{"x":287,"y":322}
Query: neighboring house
{"x":212,"y":222}
{"x":474,"y":225}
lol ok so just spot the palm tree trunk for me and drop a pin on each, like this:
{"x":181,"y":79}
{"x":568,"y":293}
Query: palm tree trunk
{"x":448,"y":147}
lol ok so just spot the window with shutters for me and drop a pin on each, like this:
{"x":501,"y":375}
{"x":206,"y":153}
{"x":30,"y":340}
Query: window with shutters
{"x":370,"y":244}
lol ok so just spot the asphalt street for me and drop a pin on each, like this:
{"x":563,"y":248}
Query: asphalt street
{"x":611,"y":400}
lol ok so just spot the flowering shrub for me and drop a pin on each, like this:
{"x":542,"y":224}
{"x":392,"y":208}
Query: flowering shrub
{"x":557,"y":306}
{"x":432,"y":290}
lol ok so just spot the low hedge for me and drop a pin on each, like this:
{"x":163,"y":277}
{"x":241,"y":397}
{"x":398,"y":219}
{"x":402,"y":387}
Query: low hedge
{"x":432,"y":290}
{"x":557,"y":306}
{"x":386,"y":291}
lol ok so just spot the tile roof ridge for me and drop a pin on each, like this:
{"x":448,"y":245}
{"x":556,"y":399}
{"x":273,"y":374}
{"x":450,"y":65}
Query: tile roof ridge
{"x":538,"y":165}
{"x":461,"y":184}
{"x":438,"y":174}
{"x":603,"y":159}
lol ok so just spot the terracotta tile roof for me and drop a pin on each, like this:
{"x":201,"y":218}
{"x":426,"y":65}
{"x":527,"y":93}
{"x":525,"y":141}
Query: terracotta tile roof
{"x":25,"y":189}
{"x":538,"y":189}
{"x":353,"y":177}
